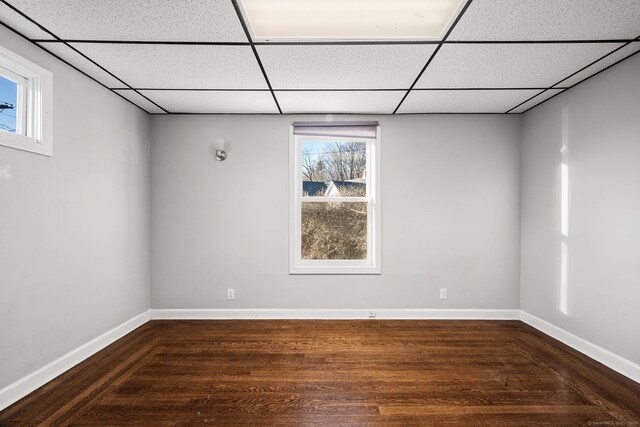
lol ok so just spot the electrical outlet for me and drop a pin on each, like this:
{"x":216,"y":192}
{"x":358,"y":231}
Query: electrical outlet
{"x":231,"y":294}
{"x":443,"y":293}
{"x":372,"y":315}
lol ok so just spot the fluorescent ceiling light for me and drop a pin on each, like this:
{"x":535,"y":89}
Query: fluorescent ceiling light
{"x":344,"y":20}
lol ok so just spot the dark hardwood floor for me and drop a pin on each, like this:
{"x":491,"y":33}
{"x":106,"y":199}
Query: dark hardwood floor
{"x":265,"y":372}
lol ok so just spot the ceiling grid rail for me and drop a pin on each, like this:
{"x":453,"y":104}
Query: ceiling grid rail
{"x":433,"y":55}
{"x":255,"y":52}
{"x":74,"y":67}
{"x":330,"y":43}
{"x":435,"y":89}
{"x":536,"y":99}
{"x":28,"y":18}
{"x":580,"y":81}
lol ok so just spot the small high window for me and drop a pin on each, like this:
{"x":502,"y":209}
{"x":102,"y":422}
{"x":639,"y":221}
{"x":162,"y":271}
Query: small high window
{"x":335,"y":219}
{"x":25,"y":104}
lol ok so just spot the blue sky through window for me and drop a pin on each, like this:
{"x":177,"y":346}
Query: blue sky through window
{"x":8,"y":99}
{"x":316,"y":148}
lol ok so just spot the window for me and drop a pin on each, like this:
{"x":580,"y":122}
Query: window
{"x":25,"y":104}
{"x":335,"y":198}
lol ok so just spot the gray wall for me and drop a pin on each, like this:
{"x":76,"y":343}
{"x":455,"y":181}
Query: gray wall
{"x":601,"y":123}
{"x":73,"y":227}
{"x":450,"y":215}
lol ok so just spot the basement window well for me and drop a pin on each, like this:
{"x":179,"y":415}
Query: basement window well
{"x":25,"y":104}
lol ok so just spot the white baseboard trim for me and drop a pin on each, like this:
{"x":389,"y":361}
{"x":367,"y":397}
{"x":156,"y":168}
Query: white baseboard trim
{"x":19,"y":389}
{"x":412,"y":313}
{"x":617,"y":363}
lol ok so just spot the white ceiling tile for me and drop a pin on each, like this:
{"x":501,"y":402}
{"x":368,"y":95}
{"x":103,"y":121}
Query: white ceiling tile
{"x":549,"y":20}
{"x":535,"y":101}
{"x":175,"y":20}
{"x":463,"y":101}
{"x":364,"y":102}
{"x":140,"y":101}
{"x":179,"y":66}
{"x":508,"y":65}
{"x":344,"y":66}
{"x":14,"y":20}
{"x":214,"y":101}
{"x":602,"y":64}
{"x":74,"y":58}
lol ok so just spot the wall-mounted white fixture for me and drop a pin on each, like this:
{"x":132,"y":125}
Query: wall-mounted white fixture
{"x":219,"y":147}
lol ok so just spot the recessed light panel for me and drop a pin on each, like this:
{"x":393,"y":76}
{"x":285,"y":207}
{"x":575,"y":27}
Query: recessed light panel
{"x":346,"y":20}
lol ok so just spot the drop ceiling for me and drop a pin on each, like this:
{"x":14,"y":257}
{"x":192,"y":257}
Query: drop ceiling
{"x":197,"y":56}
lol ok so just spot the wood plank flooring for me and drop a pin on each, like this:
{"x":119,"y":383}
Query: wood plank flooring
{"x":334,"y":373}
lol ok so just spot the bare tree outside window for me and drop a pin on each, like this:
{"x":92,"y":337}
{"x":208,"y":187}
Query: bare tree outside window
{"x":334,"y":230}
{"x":342,"y":161}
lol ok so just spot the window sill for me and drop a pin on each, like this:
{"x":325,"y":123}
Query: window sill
{"x":337,"y":270}
{"x":25,"y":143}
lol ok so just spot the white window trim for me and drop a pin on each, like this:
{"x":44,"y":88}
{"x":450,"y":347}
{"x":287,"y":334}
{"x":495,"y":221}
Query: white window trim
{"x":369,"y":266}
{"x":34,"y":128}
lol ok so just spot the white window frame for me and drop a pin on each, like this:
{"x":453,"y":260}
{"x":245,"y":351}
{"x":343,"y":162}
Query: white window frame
{"x":34,"y":131}
{"x":369,"y":266}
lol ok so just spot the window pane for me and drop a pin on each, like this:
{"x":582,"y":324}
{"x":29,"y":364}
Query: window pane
{"x":8,"y":103}
{"x":334,"y":230}
{"x":334,"y":168}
